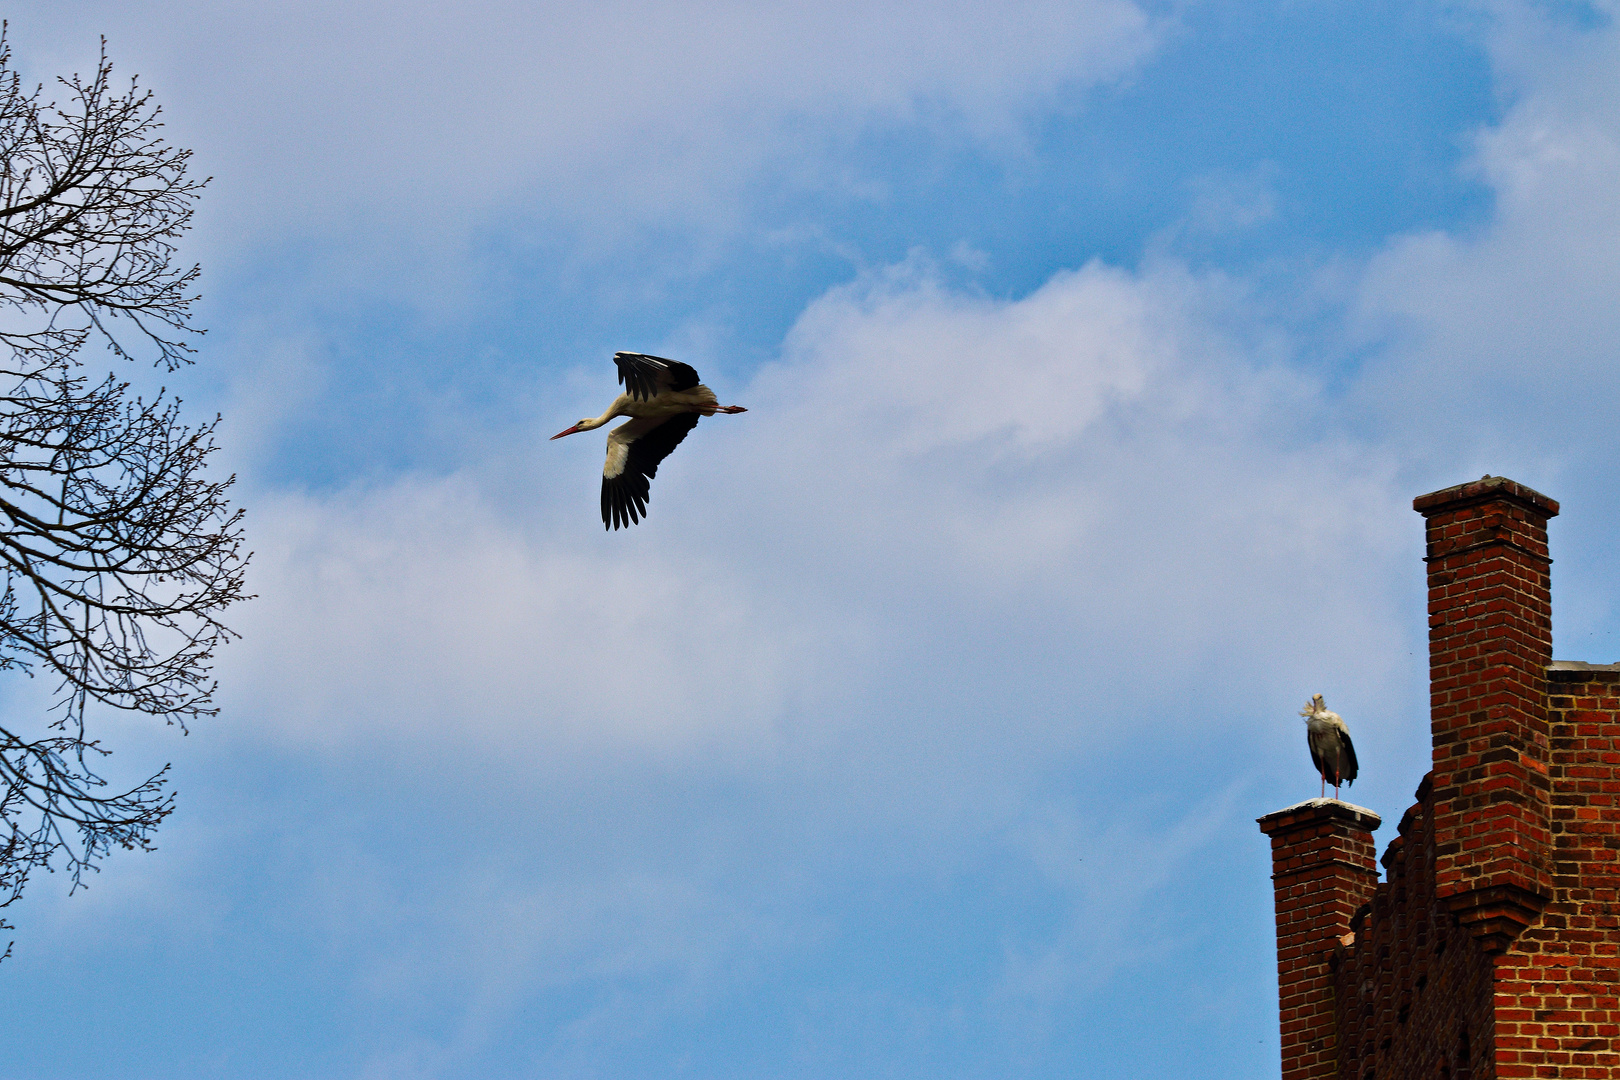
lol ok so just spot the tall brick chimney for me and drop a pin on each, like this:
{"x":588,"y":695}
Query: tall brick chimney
{"x":1323,"y":868}
{"x":1490,"y":642}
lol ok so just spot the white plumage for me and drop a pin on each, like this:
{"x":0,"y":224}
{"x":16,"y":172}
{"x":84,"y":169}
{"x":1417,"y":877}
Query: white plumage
{"x":1332,"y":752}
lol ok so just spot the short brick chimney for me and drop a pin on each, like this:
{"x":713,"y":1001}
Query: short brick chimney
{"x":1490,"y":643}
{"x":1324,"y":867}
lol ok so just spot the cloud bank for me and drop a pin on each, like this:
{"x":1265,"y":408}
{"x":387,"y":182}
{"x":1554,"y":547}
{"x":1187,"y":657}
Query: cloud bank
{"x":396,"y":119}
{"x":914,"y":730}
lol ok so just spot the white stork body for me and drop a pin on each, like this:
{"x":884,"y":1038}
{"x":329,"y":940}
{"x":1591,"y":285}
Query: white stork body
{"x":1332,"y":752}
{"x":664,"y":400}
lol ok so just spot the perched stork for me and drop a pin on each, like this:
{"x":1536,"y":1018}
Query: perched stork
{"x":664,"y":399}
{"x":1332,"y":752}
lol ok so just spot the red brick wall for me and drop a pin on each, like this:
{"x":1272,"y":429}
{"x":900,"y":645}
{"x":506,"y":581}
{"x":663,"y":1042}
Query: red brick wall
{"x":1492,"y":949}
{"x":1558,"y":987}
{"x":1490,"y":641}
{"x":1413,"y":988}
{"x":1323,"y":869}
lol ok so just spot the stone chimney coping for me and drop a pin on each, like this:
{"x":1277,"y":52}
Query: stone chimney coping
{"x":1318,"y":809}
{"x":1484,"y":490}
{"x":1576,"y":671}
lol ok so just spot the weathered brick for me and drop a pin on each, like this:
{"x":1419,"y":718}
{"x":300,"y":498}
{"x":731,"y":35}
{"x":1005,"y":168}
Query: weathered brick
{"x":1492,"y":949}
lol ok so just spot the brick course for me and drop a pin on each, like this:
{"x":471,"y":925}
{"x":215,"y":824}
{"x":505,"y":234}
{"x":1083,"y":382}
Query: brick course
{"x":1412,"y":986}
{"x":1490,"y":641}
{"x":1323,"y":867}
{"x":1492,"y":947}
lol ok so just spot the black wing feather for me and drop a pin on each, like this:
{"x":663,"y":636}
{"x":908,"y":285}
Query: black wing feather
{"x":1349,"y":767}
{"x":624,"y":497}
{"x":643,"y":376}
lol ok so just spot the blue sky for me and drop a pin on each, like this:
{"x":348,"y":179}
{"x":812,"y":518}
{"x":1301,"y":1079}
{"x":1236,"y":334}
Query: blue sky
{"x":1094,"y":352}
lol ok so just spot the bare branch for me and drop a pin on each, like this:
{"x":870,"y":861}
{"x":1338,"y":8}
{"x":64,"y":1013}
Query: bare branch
{"x":119,"y":553}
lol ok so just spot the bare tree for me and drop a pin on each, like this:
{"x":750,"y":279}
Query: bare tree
{"x":120,"y":552}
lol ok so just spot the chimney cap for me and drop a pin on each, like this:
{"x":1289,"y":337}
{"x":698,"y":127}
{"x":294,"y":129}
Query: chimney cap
{"x":1311,"y":811}
{"x":1483,"y":490}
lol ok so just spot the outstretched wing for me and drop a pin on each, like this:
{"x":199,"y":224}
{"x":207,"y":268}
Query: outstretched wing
{"x":634,"y":451}
{"x":644,"y":376}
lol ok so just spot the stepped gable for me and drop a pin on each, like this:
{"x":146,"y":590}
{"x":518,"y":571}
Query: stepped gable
{"x":1491,"y":948}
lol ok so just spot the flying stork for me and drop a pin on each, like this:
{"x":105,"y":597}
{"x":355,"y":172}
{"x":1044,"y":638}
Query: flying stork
{"x":664,"y":400}
{"x":1332,"y":752}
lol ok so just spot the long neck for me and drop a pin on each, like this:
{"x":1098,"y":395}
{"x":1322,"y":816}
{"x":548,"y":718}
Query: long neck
{"x":615,"y":409}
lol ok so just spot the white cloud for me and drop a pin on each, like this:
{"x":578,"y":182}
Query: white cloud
{"x":1499,"y":344}
{"x":323,"y":117}
{"x":422,"y":610}
{"x":957,"y":545}
{"x":1111,"y":474}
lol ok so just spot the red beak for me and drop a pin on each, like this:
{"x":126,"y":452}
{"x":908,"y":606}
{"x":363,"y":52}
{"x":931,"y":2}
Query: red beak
{"x":560,"y":434}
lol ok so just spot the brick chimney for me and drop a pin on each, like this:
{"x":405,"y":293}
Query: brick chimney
{"x":1490,"y":642}
{"x":1323,"y":868}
